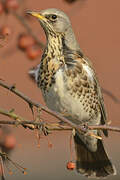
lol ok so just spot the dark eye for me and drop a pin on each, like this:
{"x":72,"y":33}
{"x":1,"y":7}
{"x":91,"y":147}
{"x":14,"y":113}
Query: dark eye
{"x":54,"y":17}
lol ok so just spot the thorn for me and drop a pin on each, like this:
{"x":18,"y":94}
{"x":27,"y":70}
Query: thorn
{"x":12,"y":110}
{"x":31,"y":107}
{"x":12,"y":87}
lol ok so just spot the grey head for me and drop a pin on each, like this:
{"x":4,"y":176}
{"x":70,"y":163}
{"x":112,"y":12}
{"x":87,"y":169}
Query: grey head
{"x":56,"y":21}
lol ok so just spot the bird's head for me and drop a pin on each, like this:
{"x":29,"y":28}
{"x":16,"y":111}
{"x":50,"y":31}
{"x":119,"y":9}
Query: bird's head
{"x":52,"y":20}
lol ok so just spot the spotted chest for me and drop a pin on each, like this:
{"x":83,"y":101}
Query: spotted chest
{"x":46,"y":74}
{"x":72,"y":92}
{"x":81,"y":86}
{"x":52,"y":60}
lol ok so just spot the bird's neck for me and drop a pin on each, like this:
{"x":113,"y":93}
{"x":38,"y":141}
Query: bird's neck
{"x":62,"y":48}
{"x":56,"y":54}
{"x":51,"y":61}
{"x":70,"y":40}
{"x":57,"y":42}
{"x":54,"y":45}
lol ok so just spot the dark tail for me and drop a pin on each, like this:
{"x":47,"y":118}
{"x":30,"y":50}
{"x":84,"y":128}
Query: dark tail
{"x":92,"y":164}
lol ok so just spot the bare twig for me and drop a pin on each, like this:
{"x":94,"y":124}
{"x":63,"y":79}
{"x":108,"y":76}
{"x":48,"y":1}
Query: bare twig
{"x":36,"y":104}
{"x":50,"y":126}
{"x":4,"y":155}
{"x":105,"y":127}
{"x":22,"y":121}
{"x":111,"y":95}
{"x":18,"y":120}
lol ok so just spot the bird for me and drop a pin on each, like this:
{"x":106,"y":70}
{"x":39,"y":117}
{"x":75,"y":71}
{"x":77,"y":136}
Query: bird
{"x":69,"y":84}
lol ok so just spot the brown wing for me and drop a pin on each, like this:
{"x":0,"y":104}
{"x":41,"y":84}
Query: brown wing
{"x":100,"y":97}
{"x":75,"y":68}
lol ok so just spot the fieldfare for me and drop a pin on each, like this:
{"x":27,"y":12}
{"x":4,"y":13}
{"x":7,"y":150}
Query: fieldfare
{"x":69,"y":84}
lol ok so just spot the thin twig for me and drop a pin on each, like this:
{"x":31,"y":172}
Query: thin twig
{"x":18,"y":120}
{"x":83,"y":128}
{"x":105,"y":127}
{"x":111,"y":95}
{"x":36,"y":104}
{"x":49,"y":126}
{"x":53,"y":126}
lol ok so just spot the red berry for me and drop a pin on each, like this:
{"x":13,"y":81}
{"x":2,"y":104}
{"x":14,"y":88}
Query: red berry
{"x":11,"y":4}
{"x":10,"y":142}
{"x":70,"y":165}
{"x":5,"y":31}
{"x":1,"y":8}
{"x":33,"y":52}
{"x":25,"y":41}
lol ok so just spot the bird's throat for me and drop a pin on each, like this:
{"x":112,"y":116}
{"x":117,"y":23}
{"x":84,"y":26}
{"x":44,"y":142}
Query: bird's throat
{"x":51,"y":61}
{"x":55,"y":46}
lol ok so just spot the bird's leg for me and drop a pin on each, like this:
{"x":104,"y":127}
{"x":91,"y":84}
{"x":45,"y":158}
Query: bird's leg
{"x":89,"y":132}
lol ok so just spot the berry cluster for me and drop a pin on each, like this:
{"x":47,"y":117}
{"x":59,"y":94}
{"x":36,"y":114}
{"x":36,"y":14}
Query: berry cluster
{"x":7,"y":5}
{"x":27,"y":43}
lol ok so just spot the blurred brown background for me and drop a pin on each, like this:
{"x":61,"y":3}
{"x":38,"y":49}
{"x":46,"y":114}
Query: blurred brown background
{"x":96,"y":24}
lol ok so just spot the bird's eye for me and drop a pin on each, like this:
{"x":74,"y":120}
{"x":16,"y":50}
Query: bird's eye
{"x":54,"y":17}
{"x":51,"y":17}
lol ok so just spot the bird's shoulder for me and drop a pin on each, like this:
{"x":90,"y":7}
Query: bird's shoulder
{"x":82,"y":80}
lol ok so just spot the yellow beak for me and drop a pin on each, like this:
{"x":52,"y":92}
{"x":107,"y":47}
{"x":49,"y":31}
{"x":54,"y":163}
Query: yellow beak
{"x":37,"y":15}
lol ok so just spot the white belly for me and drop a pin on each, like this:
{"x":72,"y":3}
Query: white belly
{"x":59,"y":99}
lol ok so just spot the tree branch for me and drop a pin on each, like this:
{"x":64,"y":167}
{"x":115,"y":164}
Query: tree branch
{"x":111,"y":95}
{"x":18,"y":120}
{"x":36,"y":104}
{"x":84,"y":128}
